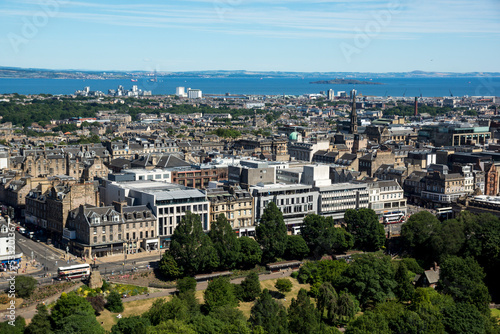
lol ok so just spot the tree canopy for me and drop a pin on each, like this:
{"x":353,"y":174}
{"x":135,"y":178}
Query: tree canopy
{"x":272,"y":233}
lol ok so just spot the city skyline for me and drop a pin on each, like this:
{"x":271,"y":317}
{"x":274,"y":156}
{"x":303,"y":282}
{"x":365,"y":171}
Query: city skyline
{"x":253,"y":35}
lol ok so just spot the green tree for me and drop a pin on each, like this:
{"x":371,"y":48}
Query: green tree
{"x":191,"y":248}
{"x":172,"y":326}
{"x":97,"y":303}
{"x":416,"y":233}
{"x":168,"y":267}
{"x":370,"y":278}
{"x":225,"y":242}
{"x":40,"y":324}
{"x":369,"y":323}
{"x":186,"y":284}
{"x":250,"y":252}
{"x":70,"y":305}
{"x":327,"y":300}
{"x":131,"y":325}
{"x":363,"y":224}
{"x":303,"y":318}
{"x":404,"y":289}
{"x":283,"y":285}
{"x":18,"y":328}
{"x":220,"y":292}
{"x":250,"y":288}
{"x":462,"y":279}
{"x":322,"y":237}
{"x":296,"y":247}
{"x":80,"y":323}
{"x":25,"y":286}
{"x":162,"y":311}
{"x":460,"y":318}
{"x":268,"y":315}
{"x":272,"y":233}
{"x":448,"y":239}
{"x":114,"y":302}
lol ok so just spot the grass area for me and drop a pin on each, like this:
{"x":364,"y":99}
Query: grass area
{"x":269,"y":284}
{"x":496,"y":314}
{"x":136,"y":307}
{"x":3,"y":307}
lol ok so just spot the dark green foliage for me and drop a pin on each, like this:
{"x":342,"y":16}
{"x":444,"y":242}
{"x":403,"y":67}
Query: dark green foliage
{"x":417,"y":232}
{"x":250,"y":288}
{"x":364,"y":225}
{"x":220,"y":292}
{"x":168,"y":267}
{"x":318,"y":272}
{"x":114,"y":302}
{"x":303,"y":318}
{"x":296,"y":248}
{"x":172,"y":326}
{"x":412,"y":265}
{"x":370,"y":278}
{"x":408,"y":110}
{"x":131,"y":325}
{"x":461,"y":318}
{"x":70,"y":305}
{"x":283,"y":285}
{"x":339,"y":308}
{"x":40,"y":324}
{"x":369,"y":323}
{"x":404,"y":289}
{"x":191,"y":248}
{"x":18,"y":328}
{"x":225,"y":243}
{"x":326,"y":300}
{"x":268,"y":315}
{"x":161,"y":311}
{"x":186,"y":284}
{"x":447,"y":239}
{"x":97,"y":303}
{"x":105,"y":285}
{"x":250,"y":252}
{"x":462,"y":279}
{"x":400,"y":319}
{"x":227,"y":133}
{"x":483,"y":243}
{"x":322,"y":237}
{"x":25,"y":286}
{"x":231,"y":319}
{"x":272,"y":233}
{"x":80,"y":323}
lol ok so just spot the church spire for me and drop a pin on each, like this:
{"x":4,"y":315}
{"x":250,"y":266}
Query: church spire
{"x":354,"y":115}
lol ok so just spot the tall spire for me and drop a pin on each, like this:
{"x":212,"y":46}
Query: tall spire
{"x":415,"y":112}
{"x":354,"y":116}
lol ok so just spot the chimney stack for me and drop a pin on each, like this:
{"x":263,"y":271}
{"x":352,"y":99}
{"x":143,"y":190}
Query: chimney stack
{"x":416,"y":107}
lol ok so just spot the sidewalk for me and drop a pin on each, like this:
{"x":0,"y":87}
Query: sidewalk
{"x":120,"y":257}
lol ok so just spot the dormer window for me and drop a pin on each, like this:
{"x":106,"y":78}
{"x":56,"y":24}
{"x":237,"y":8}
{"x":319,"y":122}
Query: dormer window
{"x":105,"y":218}
{"x":96,"y":220}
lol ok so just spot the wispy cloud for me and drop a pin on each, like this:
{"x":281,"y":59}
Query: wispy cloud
{"x":281,"y":18}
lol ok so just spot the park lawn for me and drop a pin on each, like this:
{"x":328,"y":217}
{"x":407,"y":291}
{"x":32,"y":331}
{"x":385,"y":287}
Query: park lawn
{"x":136,"y":307}
{"x":269,"y":284}
{"x":496,"y":314}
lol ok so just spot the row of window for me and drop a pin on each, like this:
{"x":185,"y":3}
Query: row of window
{"x":141,"y":235}
{"x":133,"y":225}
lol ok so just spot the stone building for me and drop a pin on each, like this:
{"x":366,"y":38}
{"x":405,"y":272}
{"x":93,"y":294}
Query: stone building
{"x":236,"y":204}
{"x":101,"y":231}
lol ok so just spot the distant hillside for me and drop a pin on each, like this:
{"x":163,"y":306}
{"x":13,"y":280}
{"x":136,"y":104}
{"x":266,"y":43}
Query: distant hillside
{"x":17,"y":72}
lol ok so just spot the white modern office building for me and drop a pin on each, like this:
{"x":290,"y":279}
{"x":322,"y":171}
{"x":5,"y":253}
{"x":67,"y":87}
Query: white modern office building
{"x":169,"y":203}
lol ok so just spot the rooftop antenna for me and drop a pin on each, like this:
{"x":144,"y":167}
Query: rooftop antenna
{"x":420,"y":93}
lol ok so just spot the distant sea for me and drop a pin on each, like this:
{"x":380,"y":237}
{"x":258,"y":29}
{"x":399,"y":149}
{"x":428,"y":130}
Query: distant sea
{"x":428,"y":87}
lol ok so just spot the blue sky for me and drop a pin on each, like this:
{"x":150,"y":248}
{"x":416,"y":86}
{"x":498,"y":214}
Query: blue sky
{"x":256,"y":35}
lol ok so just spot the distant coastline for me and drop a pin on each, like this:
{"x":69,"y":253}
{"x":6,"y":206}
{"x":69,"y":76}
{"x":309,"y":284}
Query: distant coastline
{"x":37,"y":73}
{"x":345,"y":82}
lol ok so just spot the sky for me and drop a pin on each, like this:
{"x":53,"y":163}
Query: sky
{"x":253,"y":35}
